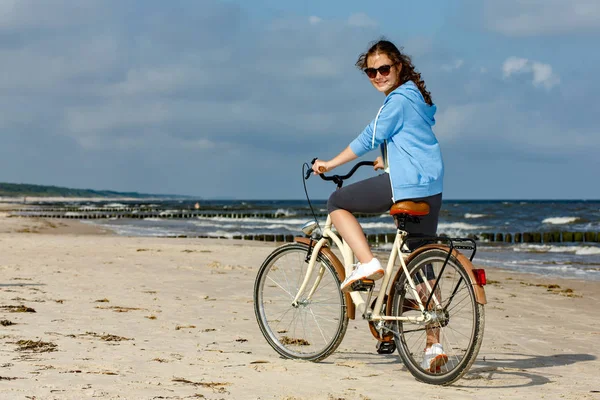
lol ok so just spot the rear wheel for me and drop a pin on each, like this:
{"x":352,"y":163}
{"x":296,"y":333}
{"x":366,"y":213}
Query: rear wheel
{"x":456,"y":323}
{"x":313,"y":328}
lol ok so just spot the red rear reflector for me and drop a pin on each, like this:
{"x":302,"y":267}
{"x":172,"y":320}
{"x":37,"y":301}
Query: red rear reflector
{"x":480,"y":276}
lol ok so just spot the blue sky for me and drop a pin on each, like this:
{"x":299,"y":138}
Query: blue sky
{"x":227,"y":99}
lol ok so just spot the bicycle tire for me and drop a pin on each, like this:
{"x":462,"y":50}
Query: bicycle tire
{"x":459,"y":322}
{"x":312,"y":330}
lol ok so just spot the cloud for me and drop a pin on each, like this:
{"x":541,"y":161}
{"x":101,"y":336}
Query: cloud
{"x":541,"y":17}
{"x":32,"y":14}
{"x":457,"y":64}
{"x":541,"y":73}
{"x":314,"y":20}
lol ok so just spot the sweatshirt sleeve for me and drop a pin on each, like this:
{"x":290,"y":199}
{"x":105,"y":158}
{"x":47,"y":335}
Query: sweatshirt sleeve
{"x":385,"y":124}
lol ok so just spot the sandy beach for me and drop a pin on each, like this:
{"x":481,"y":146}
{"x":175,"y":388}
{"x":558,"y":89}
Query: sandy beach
{"x":87,"y":314}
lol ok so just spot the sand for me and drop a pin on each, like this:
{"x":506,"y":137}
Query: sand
{"x":112,"y":317}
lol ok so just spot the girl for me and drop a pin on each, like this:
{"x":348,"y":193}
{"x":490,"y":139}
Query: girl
{"x":410,"y":158}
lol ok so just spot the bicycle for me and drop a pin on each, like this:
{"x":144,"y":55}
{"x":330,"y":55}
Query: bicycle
{"x":434,"y":295}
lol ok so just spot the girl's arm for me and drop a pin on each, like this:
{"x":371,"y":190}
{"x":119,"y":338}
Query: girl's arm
{"x":345,"y":156}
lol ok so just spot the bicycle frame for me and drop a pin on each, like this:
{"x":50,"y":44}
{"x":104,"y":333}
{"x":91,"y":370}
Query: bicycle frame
{"x":361,"y":304}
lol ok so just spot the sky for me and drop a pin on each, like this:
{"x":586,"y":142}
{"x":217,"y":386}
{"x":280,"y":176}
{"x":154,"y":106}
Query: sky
{"x":228,"y":99}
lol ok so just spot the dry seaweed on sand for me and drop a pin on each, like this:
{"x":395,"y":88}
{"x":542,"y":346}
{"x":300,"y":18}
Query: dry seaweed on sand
{"x":179,"y":327}
{"x":106,"y":337}
{"x":20,"y":308}
{"x":6,"y":322}
{"x":119,"y":308}
{"x":215,"y":386}
{"x":8,"y":378}
{"x":292,"y":341}
{"x":36,"y":346}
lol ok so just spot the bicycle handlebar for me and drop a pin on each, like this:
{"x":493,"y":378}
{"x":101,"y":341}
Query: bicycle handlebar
{"x":337,"y":179}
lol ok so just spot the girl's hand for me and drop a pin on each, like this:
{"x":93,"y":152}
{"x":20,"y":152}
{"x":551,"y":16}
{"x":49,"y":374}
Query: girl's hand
{"x":320,"y":167}
{"x":378,"y":163}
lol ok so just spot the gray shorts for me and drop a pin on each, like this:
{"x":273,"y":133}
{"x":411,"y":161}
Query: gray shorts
{"x":374,"y":196}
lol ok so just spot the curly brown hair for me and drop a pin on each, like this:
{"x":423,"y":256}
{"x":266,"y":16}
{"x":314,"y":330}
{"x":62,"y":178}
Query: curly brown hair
{"x":408,"y":72}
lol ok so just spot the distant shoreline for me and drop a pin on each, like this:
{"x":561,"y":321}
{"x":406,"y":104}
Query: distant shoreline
{"x":41,"y":199}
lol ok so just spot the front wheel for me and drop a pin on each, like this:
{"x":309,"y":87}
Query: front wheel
{"x":456,"y":321}
{"x":314,"y":327}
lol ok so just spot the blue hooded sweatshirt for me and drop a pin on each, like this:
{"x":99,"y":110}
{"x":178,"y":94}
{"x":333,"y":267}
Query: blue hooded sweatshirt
{"x":402,"y":128}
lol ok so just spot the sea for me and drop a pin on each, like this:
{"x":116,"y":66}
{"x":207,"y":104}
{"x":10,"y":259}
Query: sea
{"x":458,"y":218}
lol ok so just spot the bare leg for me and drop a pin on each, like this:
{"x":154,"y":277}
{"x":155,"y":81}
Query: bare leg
{"x":433,"y":331}
{"x":351,"y":231}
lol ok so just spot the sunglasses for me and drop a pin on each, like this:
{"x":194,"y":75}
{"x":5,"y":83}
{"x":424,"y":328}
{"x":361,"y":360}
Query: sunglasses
{"x":384,"y":70}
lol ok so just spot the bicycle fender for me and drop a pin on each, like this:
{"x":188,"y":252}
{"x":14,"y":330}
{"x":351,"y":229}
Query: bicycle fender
{"x":465,"y":262}
{"x":326,"y":253}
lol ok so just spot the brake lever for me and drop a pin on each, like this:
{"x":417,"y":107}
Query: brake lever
{"x":309,"y":172}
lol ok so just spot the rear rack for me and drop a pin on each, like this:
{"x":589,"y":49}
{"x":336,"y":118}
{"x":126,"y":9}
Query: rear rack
{"x":453,"y":243}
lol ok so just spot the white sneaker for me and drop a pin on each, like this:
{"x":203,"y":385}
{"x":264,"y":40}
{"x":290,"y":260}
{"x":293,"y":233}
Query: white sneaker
{"x":434,"y":358}
{"x":371,"y":270}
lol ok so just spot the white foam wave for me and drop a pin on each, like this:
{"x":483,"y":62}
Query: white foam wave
{"x":255,"y":221}
{"x":376,"y":225}
{"x":226,"y":234}
{"x":560,"y":220}
{"x":129,"y":230}
{"x":115,"y":205}
{"x":540,"y":248}
{"x":284,"y":212}
{"x":245,"y":226}
{"x":540,"y":268}
{"x":587,"y":251}
{"x":167,"y":212}
{"x":459,"y":225}
{"x":467,"y":215}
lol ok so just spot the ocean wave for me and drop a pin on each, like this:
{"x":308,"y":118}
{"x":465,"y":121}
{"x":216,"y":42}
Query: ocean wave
{"x":167,"y":212}
{"x":256,"y":221}
{"x":560,"y":220}
{"x":540,"y":248}
{"x":541,"y":268}
{"x":468,"y":216}
{"x":115,"y":205}
{"x":587,"y":251}
{"x":379,"y":225}
{"x":460,"y":226}
{"x":285,"y":212}
{"x":131,"y":230}
{"x":226,"y":234}
{"x":249,"y":228}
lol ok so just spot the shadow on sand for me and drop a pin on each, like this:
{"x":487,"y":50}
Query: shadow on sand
{"x":517,"y":365}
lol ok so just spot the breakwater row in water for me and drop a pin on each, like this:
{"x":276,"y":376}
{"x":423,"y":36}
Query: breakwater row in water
{"x":541,"y":237}
{"x":383,"y":238}
{"x":527,"y":237}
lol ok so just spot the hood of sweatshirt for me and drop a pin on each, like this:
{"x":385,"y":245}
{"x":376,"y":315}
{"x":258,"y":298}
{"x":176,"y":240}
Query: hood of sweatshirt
{"x":411,"y":92}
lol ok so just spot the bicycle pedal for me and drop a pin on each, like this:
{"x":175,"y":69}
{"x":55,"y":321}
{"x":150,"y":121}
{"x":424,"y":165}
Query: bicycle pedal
{"x":386,"y":347}
{"x":363,"y":285}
